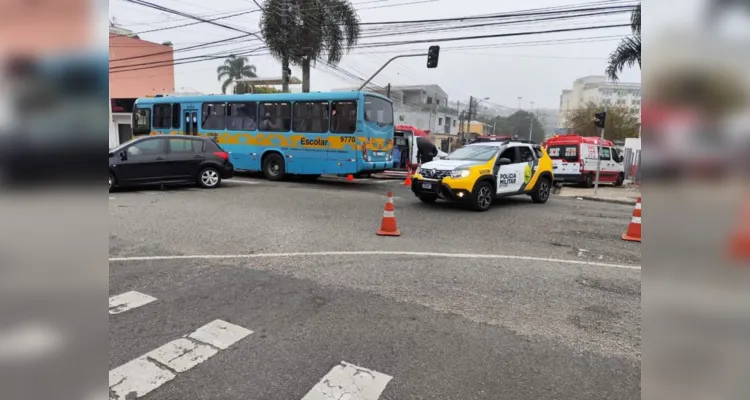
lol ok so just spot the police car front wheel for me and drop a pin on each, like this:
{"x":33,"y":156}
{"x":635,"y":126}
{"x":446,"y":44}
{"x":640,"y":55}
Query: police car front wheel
{"x":482,"y":196}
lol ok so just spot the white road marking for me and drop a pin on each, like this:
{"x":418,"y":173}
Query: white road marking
{"x":350,"y":382}
{"x":220,"y":334}
{"x":128,"y":301}
{"x":243,"y":181}
{"x":139,"y":376}
{"x":182,"y":354}
{"x":374,"y":253}
{"x":151,"y":370}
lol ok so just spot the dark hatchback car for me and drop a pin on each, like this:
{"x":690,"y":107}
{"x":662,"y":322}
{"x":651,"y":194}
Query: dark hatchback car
{"x":166,"y":160}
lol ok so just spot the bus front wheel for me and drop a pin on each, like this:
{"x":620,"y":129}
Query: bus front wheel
{"x":273,"y":167}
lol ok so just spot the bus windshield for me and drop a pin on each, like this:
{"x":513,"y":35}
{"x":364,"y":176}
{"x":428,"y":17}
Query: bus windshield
{"x":378,"y":110}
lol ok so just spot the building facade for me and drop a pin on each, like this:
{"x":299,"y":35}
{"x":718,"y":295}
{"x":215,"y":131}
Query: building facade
{"x":137,"y":68}
{"x":597,"y":89}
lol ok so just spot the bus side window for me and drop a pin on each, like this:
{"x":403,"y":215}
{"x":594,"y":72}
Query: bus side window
{"x":213,"y":116}
{"x":176,"y":117}
{"x":141,"y":121}
{"x":310,"y":117}
{"x":275,"y":116}
{"x":162,"y":116}
{"x":344,"y":117}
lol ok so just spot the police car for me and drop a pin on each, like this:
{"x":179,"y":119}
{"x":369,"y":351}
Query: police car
{"x":480,"y":172}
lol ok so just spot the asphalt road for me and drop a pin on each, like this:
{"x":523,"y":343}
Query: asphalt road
{"x":522,"y":325}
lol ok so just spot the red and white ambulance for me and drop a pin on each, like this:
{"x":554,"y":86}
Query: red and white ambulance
{"x":574,"y":160}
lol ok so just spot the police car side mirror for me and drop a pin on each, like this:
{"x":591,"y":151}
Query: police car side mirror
{"x":503,"y":161}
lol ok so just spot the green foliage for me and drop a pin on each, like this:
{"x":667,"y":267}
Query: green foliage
{"x":628,"y":52}
{"x":235,"y":68}
{"x":308,"y":29}
{"x":621,"y":122}
{"x":517,"y":124}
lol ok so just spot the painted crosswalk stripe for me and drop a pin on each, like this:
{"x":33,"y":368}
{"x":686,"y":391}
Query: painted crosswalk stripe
{"x":347,"y":381}
{"x":146,"y":373}
{"x":128,"y":301}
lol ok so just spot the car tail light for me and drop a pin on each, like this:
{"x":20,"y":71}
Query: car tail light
{"x":222,"y":154}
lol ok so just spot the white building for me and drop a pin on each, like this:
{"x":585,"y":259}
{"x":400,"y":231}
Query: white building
{"x":598,"y":90}
{"x":423,"y":106}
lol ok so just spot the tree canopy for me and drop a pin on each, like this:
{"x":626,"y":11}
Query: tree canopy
{"x":622,"y":122}
{"x":235,"y":68}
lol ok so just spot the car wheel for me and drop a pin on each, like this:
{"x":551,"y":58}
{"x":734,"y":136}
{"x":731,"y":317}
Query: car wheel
{"x":482,"y":197}
{"x":273,"y":167}
{"x":209,"y":178}
{"x":112,"y":182}
{"x":620,"y":180}
{"x":428,"y":198}
{"x":541,"y":191}
{"x":589,"y":182}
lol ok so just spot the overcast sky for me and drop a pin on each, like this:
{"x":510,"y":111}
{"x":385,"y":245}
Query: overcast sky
{"x":504,"y":70}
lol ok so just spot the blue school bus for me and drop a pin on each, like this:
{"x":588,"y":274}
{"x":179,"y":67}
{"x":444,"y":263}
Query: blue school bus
{"x":307,"y":134}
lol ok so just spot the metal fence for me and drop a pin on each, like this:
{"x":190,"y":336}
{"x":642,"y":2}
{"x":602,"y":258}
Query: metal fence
{"x":632,"y":164}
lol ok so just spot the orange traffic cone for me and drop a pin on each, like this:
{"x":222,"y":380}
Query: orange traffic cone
{"x":349,"y":178}
{"x":739,"y":243}
{"x":407,"y":181}
{"x":633,"y":234}
{"x":388,"y":225}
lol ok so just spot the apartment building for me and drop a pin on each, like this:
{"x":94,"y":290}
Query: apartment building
{"x":138,"y":68}
{"x":597,"y":89}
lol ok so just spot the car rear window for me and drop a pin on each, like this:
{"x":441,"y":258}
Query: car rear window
{"x":569,"y":153}
{"x":212,"y":146}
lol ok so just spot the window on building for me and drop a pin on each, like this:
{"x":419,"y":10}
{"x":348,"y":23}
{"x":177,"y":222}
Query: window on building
{"x":454,"y":123}
{"x":275,"y":116}
{"x":242,"y":116}
{"x":162,"y":116}
{"x":213,"y":116}
{"x":437,"y":101}
{"x":311,"y":117}
{"x":176,"y":117}
{"x":429,"y":100}
{"x":343,"y":116}
{"x":440,"y":121}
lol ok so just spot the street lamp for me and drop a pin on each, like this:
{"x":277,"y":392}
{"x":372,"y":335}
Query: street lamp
{"x":477,"y":107}
{"x":531,"y":119}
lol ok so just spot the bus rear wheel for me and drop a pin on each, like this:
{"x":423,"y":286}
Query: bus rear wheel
{"x":274,"y":168}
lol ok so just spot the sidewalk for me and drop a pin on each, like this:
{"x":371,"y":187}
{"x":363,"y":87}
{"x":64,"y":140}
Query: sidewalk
{"x":626,"y":194}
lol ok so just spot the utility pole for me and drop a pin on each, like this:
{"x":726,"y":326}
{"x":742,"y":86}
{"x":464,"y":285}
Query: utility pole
{"x":531,"y":119}
{"x":599,"y":121}
{"x":285,"y":56}
{"x":468,"y":117}
{"x":388,"y":91}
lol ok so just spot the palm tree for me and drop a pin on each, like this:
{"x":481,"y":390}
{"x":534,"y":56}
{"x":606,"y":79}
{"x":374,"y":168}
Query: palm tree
{"x":301,"y":31}
{"x":629,"y":50}
{"x":235,"y":68}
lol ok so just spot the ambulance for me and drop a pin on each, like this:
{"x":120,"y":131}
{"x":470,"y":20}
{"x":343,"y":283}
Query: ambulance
{"x":575,"y":157}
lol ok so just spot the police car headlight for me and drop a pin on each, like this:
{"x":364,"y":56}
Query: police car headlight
{"x":460,"y":173}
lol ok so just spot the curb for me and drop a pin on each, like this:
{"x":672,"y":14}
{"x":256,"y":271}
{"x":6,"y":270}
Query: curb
{"x":603,"y":200}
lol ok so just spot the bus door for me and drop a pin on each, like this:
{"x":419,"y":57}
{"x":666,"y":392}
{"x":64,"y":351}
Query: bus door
{"x":190,"y":119}
{"x":345,"y":136}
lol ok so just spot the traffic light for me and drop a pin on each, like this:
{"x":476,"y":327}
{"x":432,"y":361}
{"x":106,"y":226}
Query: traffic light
{"x":600,"y":119}
{"x":432,"y":56}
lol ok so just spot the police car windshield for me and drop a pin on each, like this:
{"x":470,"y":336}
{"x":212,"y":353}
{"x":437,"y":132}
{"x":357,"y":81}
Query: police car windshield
{"x":473,"y":153}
